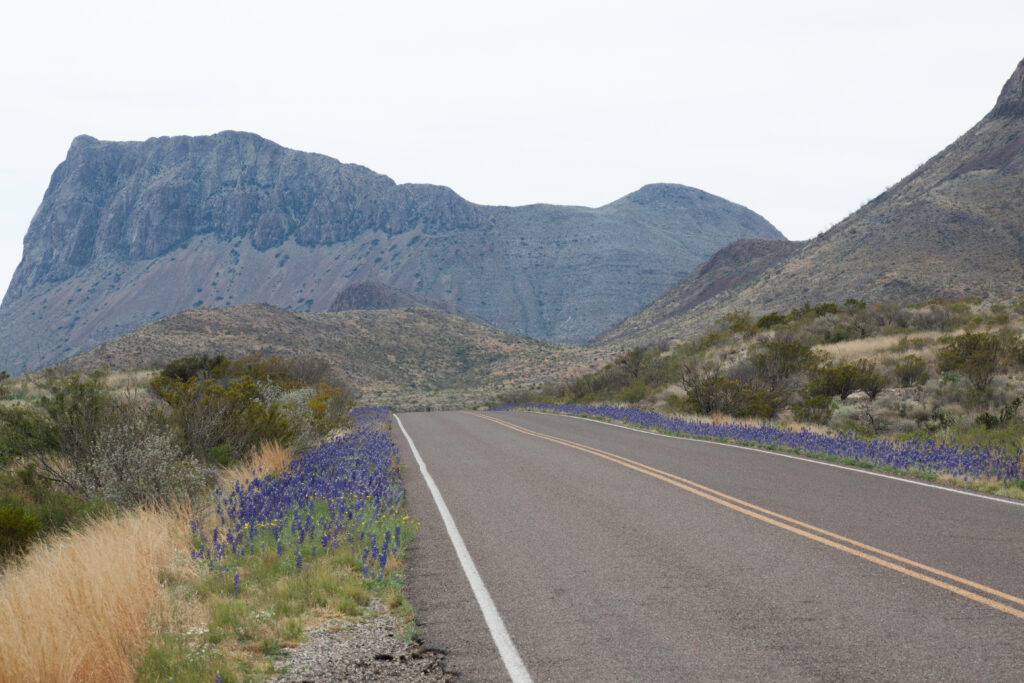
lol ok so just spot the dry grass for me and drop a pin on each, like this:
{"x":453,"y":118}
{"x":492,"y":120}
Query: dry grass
{"x":875,"y":348}
{"x":128,"y":381}
{"x":80,"y":606}
{"x":269,"y":458}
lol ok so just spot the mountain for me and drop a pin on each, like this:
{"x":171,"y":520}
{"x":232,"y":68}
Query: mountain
{"x":410,"y":359}
{"x":731,"y":268}
{"x":953,"y":227}
{"x":129,"y":232}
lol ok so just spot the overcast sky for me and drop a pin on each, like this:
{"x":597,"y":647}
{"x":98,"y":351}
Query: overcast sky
{"x":801,"y":111}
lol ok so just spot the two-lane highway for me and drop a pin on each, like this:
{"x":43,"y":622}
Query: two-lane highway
{"x":610,"y":554}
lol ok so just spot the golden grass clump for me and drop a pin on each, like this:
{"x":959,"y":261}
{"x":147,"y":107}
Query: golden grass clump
{"x":80,"y":606}
{"x":269,"y":458}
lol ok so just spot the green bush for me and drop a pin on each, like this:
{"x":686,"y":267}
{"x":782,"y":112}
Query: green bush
{"x":18,"y":527}
{"x":211,"y":416}
{"x":632,"y":393}
{"x":59,"y":434}
{"x":717,"y":394}
{"x":911,"y":371}
{"x":1007,"y":415}
{"x":843,"y":379}
{"x":976,"y":355}
{"x":192,"y":366}
{"x":84,"y":440}
{"x":773,"y":319}
{"x":252,"y":400}
{"x":817,"y":409}
{"x":780,"y":360}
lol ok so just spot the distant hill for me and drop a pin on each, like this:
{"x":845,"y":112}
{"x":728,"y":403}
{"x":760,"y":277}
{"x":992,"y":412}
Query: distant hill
{"x":373,"y":295}
{"x":953,"y":227}
{"x":130,"y":232}
{"x":412,"y":358}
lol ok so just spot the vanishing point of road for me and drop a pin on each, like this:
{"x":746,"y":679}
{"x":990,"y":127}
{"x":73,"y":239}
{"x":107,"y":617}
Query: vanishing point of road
{"x":586,"y":551}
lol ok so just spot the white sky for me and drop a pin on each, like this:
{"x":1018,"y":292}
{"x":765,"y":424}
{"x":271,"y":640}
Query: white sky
{"x":801,"y":111}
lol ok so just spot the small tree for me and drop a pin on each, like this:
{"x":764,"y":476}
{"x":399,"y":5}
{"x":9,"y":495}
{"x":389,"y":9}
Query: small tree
{"x":844,"y":378}
{"x":976,"y":355}
{"x":779,"y":360}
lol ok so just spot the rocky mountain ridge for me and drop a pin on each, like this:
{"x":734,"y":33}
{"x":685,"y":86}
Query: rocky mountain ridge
{"x":129,"y":232}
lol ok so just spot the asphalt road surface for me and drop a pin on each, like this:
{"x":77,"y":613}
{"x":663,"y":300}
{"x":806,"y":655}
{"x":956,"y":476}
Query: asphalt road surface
{"x":610,"y":554}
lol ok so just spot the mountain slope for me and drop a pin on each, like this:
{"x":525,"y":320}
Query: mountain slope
{"x":953,"y":227}
{"x":730,"y":269}
{"x":129,"y":232}
{"x":411,"y":358}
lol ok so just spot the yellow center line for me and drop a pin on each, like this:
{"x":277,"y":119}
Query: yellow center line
{"x":808,"y":531}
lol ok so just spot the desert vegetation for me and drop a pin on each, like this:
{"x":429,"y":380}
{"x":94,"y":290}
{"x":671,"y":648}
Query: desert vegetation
{"x":189,"y":523}
{"x":73,"y":446}
{"x":943,"y":370}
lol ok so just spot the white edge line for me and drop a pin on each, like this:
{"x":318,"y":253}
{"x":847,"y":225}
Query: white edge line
{"x":502,"y":640}
{"x":802,"y":458}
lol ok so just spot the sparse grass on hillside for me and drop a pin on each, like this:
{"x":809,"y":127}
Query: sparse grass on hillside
{"x":409,"y":359}
{"x":947,"y":370}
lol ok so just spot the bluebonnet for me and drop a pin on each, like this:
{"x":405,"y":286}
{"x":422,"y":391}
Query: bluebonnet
{"x":927,"y":455}
{"x":343,"y":489}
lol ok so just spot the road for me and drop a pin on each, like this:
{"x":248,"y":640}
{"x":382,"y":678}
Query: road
{"x":616,"y":555}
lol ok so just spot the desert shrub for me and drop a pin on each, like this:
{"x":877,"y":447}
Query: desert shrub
{"x":843,"y":379}
{"x":817,"y":409}
{"x":976,"y":355}
{"x":233,"y":417}
{"x":24,"y":431}
{"x":869,"y":379}
{"x":737,"y":322}
{"x":773,"y":319}
{"x":253,"y":400}
{"x":192,"y":366}
{"x":58,"y":434}
{"x":1006,"y":415}
{"x":632,"y":393}
{"x":717,"y":394}
{"x":136,"y":461}
{"x":315,"y":411}
{"x":825,"y":309}
{"x":312,"y":371}
{"x":54,"y":507}
{"x":18,"y":527}
{"x":76,"y":408}
{"x":632,"y":362}
{"x":840,"y":331}
{"x":780,"y":360}
{"x":911,"y":371}
{"x":95,"y":446}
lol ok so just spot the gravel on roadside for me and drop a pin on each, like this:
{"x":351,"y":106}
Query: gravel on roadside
{"x":366,"y":649}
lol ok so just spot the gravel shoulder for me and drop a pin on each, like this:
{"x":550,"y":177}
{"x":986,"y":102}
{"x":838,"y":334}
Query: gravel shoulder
{"x":367,"y":649}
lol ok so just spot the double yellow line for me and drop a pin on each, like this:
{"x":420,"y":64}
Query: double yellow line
{"x":936,"y":577}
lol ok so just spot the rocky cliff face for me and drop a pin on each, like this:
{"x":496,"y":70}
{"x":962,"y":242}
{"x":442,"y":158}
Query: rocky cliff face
{"x":129,"y":232}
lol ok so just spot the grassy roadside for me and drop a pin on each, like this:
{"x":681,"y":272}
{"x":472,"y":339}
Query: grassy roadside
{"x":744,"y":433}
{"x":284,"y":544}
